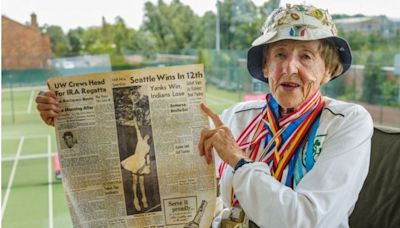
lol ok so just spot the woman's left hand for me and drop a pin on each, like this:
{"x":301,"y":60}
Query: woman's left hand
{"x":221,"y":139}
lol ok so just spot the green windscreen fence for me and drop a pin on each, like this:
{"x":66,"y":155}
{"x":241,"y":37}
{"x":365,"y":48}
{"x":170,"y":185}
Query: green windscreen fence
{"x":28,"y":77}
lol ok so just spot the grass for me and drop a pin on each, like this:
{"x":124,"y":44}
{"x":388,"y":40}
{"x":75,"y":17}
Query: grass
{"x":220,"y":100}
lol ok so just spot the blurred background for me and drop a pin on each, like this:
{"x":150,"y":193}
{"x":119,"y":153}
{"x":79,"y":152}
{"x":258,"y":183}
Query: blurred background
{"x":43,"y":39}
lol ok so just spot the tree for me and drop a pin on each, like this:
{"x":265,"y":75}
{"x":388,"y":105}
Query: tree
{"x":204,"y":37}
{"x":172,"y":25}
{"x":75,"y":37}
{"x":122,"y":36}
{"x":373,"y":81}
{"x":235,"y":17}
{"x":59,"y":41}
{"x":95,"y":42}
{"x":390,"y":93}
{"x":145,"y":43}
{"x":267,"y":8}
{"x":241,"y":20}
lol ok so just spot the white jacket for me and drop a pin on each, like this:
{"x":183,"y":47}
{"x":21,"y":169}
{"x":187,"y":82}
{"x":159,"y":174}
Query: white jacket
{"x":326,"y":195}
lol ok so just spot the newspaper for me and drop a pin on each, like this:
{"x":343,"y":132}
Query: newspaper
{"x":127,"y":143}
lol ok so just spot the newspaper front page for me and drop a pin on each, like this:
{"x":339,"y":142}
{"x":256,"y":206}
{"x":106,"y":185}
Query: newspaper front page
{"x":127,"y":142}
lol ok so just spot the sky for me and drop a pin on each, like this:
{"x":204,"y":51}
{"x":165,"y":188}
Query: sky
{"x":73,"y":13}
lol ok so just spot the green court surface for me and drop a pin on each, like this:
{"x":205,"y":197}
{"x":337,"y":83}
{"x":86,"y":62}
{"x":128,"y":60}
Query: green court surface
{"x":31,"y":196}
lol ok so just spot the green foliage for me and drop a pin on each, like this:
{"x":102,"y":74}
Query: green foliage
{"x":372,"y":82}
{"x":205,"y":35}
{"x":390,"y":93}
{"x":59,"y":42}
{"x":75,"y":37}
{"x":145,"y":43}
{"x":204,"y":57}
{"x":170,"y":28}
{"x":121,"y":36}
{"x":172,"y":25}
{"x":236,"y":23}
{"x":337,"y":87}
{"x":95,"y":42}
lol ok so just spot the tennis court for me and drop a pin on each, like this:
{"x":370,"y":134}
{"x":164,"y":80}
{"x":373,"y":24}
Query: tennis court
{"x":31,"y":195}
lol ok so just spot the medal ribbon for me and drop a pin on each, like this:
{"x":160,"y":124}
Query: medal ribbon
{"x":282,"y":137}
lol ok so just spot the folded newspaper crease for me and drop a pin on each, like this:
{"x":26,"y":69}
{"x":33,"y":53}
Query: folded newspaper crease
{"x":127,"y":142}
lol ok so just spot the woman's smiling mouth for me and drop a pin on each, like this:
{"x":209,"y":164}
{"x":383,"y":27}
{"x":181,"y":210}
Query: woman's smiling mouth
{"x":289,"y":86}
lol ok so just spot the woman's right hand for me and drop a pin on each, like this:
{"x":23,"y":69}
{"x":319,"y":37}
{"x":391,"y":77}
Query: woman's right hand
{"x":48,"y":106}
{"x":221,"y":139}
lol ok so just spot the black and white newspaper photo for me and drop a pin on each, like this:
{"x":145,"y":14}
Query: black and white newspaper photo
{"x":127,"y":142}
{"x":136,"y":150}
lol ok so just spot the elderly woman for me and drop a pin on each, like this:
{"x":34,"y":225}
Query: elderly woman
{"x":297,"y":159}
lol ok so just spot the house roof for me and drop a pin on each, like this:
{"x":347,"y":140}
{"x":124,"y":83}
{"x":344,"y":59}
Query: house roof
{"x":353,"y":20}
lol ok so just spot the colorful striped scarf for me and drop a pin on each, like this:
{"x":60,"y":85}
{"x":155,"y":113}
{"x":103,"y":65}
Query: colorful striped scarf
{"x":279,"y":141}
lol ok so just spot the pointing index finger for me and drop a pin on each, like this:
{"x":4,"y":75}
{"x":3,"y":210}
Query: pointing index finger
{"x":214,"y":116}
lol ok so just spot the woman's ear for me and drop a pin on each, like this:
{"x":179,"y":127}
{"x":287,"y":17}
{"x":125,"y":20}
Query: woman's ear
{"x":265,"y":66}
{"x":265,"y":71}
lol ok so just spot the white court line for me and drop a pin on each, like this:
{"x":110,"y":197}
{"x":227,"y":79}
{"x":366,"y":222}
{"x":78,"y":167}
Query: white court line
{"x":27,"y":157}
{"x":11,"y":179}
{"x":27,"y":137}
{"x":29,"y":109}
{"x":14,"y":113}
{"x":4,"y":90}
{"x":50,"y":185}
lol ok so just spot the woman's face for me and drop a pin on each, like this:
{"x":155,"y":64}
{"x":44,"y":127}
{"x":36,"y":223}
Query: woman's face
{"x":295,"y":70}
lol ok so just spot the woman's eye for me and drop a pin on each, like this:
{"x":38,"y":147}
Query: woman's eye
{"x":280,"y":55}
{"x":307,"y":57}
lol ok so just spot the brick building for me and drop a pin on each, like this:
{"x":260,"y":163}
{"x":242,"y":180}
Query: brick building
{"x":23,"y":46}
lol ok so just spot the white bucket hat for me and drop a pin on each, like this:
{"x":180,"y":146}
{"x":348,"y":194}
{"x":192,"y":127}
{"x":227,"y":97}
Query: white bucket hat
{"x":297,"y":22}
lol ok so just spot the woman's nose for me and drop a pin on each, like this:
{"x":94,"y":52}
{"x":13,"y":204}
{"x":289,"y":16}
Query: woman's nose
{"x":292,"y":65}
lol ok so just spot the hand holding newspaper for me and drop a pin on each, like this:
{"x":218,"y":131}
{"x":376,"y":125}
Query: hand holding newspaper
{"x":127,"y":143}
